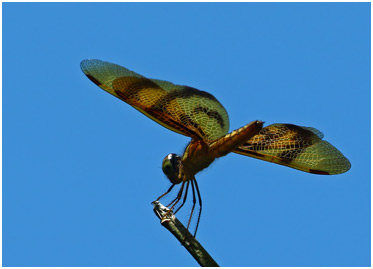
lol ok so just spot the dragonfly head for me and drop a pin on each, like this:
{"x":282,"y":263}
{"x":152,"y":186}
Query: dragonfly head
{"x":171,"y":166}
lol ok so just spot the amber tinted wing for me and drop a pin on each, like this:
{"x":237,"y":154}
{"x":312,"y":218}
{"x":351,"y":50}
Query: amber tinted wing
{"x":298,"y":147}
{"x":182,"y":109}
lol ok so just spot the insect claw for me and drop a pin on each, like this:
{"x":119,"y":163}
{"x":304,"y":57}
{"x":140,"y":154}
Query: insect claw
{"x":163,"y":213}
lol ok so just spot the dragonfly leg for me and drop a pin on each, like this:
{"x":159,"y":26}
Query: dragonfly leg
{"x":185,"y":197}
{"x":194,"y":183}
{"x":178,"y":197}
{"x":167,"y":192}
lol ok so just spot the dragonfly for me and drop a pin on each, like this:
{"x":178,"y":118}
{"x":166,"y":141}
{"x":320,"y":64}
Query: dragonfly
{"x":200,"y":116}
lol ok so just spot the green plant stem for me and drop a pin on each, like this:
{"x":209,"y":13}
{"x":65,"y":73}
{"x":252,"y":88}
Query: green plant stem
{"x":171,"y":223}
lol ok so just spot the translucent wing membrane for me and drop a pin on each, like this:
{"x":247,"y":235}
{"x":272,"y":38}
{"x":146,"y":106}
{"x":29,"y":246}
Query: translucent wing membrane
{"x":297,"y":147}
{"x":182,"y":109}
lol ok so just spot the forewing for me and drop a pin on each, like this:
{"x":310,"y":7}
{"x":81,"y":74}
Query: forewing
{"x":182,"y":109}
{"x":297,"y":147}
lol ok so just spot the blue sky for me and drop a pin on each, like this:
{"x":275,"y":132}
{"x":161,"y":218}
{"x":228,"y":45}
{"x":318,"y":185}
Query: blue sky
{"x":80,"y":167}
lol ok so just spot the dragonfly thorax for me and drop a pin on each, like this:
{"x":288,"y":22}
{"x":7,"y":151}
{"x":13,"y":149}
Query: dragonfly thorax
{"x":195,"y":158}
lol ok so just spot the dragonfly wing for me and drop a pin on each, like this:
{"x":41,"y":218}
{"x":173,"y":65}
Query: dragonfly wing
{"x":298,"y":147}
{"x":182,"y":109}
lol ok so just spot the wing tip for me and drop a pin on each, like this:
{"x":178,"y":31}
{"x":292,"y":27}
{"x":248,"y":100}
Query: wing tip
{"x":86,"y":66}
{"x":87,"y":62}
{"x":343,"y":166}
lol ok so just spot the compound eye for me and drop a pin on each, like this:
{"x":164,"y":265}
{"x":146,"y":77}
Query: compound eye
{"x":170,"y":167}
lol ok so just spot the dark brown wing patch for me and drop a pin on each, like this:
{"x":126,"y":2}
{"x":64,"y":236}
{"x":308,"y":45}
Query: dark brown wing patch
{"x":295,"y":146}
{"x":182,"y":109}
